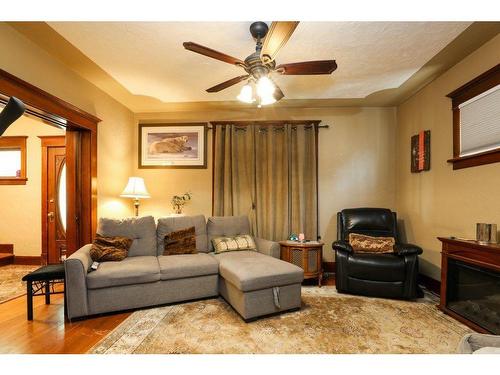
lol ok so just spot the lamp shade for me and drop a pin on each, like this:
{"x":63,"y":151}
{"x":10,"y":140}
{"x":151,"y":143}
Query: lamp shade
{"x":135,"y":188}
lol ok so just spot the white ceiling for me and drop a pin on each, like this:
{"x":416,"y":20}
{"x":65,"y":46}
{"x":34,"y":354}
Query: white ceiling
{"x":148,"y":58}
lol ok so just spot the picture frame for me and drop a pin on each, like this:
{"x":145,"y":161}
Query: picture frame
{"x":173,"y":145}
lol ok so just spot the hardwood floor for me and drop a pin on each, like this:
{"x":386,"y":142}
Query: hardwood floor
{"x":50,"y":333}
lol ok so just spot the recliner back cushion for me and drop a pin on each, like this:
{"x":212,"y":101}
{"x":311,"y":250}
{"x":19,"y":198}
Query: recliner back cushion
{"x":226,"y":226}
{"x":379,"y":222}
{"x":167,"y":225}
{"x":141,"y":229}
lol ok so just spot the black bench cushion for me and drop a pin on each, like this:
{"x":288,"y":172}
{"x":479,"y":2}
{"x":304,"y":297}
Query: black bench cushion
{"x":50,"y":272}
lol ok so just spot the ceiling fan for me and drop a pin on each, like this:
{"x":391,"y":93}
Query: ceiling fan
{"x":260,"y":64}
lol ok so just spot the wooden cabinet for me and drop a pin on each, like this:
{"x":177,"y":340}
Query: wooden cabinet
{"x":470,"y":283}
{"x":308,"y":256}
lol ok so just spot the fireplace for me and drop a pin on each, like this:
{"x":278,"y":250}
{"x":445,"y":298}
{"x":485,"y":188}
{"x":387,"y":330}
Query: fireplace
{"x":474,"y":293}
{"x":470,"y":283}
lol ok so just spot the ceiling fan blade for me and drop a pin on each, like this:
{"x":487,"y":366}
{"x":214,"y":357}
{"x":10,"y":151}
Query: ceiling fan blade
{"x":278,"y":94}
{"x":308,"y":67}
{"x":212,"y":53}
{"x":228,"y":83}
{"x":12,"y":111}
{"x":277,"y":36}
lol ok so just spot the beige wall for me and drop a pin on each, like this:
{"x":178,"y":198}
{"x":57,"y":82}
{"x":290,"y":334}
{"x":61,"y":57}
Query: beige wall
{"x":21,"y":223}
{"x":356,"y":162}
{"x":29,"y":62}
{"x":443,"y":202}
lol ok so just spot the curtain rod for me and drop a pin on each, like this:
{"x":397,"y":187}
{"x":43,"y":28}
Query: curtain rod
{"x":211,"y":126}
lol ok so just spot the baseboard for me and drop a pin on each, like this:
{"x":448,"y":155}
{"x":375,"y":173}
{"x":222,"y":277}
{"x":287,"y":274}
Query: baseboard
{"x":430,"y":283}
{"x":27,"y":260}
{"x":328,"y":266}
{"x":7,"y":248}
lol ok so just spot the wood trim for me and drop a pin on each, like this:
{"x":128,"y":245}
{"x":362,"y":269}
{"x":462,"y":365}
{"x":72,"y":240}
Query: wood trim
{"x":476,"y":86}
{"x":81,"y":153}
{"x":431,"y":284}
{"x":35,"y":97}
{"x":27,"y":260}
{"x":17,"y":142}
{"x":7,"y":248}
{"x":53,"y":140}
{"x":205,"y":141}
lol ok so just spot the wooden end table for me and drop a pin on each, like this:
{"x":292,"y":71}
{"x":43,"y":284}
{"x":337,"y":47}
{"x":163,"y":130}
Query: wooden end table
{"x":306,"y":255}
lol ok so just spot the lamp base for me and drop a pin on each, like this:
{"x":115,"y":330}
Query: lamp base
{"x":136,"y":206}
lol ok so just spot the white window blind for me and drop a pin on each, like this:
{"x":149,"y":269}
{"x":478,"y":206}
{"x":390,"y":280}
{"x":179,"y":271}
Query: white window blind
{"x":480,"y":122}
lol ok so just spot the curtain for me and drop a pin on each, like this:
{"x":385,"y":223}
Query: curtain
{"x":268,"y":172}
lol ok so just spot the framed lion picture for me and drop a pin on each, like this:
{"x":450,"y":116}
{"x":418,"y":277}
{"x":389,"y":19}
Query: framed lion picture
{"x":182,"y":145}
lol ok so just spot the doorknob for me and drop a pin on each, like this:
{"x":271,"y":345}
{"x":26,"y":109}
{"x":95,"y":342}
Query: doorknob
{"x":51,"y":215}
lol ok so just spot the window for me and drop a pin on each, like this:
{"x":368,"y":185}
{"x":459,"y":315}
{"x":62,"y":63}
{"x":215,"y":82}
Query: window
{"x":476,"y":121}
{"x":13,"y":161}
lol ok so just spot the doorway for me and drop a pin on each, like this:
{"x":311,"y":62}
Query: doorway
{"x":53,"y":199}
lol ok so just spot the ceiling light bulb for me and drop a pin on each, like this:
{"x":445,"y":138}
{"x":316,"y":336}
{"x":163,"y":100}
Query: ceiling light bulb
{"x":246,"y":94}
{"x":265,"y":87}
{"x":267,"y":99}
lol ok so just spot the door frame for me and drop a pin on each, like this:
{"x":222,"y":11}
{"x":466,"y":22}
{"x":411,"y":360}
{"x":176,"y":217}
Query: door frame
{"x":47,"y":142}
{"x":81,"y":153}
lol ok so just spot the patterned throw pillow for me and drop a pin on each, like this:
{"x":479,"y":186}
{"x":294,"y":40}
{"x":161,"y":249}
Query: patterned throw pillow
{"x":110,"y":249}
{"x":236,"y":243}
{"x":367,"y":244}
{"x":180,"y":242}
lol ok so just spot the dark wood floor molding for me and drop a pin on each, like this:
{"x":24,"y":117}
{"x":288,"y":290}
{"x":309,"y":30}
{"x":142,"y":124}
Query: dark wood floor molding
{"x":430,"y":283}
{"x":27,"y":260}
{"x":7,"y":248}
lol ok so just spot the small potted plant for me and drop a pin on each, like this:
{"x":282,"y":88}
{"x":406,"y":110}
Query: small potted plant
{"x":179,"y":201}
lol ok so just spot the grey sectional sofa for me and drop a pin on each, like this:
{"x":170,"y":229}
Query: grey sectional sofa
{"x":253,"y":283}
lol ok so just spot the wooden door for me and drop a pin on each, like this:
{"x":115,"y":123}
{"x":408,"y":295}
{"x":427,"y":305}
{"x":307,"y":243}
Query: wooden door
{"x":53,"y":200}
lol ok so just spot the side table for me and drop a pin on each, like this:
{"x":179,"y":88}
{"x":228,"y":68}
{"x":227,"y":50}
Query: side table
{"x":307,"y":255}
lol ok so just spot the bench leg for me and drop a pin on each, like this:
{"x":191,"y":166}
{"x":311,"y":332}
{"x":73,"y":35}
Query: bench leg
{"x":29,"y":294}
{"x":47,"y":292}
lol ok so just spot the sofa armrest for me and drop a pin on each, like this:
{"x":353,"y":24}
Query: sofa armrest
{"x":342,"y":246}
{"x":267,"y":247}
{"x":407,"y":249}
{"x":76,"y":267}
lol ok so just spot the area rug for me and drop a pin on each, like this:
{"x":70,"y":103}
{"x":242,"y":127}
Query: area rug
{"x":327,"y":323}
{"x":11,"y":285}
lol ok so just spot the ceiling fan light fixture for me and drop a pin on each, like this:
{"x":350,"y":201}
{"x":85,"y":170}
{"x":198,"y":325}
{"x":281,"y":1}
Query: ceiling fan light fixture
{"x":246,"y":94}
{"x":265,"y":87}
{"x":267,"y":99}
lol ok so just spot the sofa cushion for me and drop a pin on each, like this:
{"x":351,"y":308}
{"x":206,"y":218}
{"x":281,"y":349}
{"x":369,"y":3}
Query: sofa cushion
{"x":187,"y":265}
{"x":377,"y":267}
{"x":141,"y":229}
{"x":167,"y":225}
{"x":226,"y":226}
{"x":236,"y":243}
{"x":131,"y":270}
{"x":249,"y":270}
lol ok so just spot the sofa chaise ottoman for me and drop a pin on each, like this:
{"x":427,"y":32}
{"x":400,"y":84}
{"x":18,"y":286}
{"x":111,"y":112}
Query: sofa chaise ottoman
{"x":254,"y":283}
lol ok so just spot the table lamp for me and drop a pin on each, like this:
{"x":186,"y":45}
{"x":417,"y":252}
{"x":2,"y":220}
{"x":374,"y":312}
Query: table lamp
{"x":135,"y":189}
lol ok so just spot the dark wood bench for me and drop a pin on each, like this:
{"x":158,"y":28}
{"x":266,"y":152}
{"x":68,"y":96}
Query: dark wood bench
{"x":42,"y":282}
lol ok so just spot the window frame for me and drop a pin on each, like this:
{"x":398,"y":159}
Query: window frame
{"x":17,"y":142}
{"x":471,"y":89}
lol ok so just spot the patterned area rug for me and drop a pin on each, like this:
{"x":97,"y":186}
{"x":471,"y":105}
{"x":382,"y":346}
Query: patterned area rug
{"x":327,"y":323}
{"x":11,"y":285}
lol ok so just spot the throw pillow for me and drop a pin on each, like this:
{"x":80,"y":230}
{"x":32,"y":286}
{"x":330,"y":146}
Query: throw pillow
{"x":367,"y":244}
{"x":110,"y":249}
{"x":236,"y":243}
{"x":180,"y":242}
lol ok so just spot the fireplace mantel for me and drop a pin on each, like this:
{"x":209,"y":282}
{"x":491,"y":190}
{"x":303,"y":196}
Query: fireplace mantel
{"x":482,"y":259}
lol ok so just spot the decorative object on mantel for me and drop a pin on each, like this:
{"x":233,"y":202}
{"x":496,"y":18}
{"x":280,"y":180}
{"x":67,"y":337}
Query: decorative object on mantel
{"x":179,"y":201}
{"x":135,"y":189}
{"x":421,"y":151}
{"x":486,"y":233}
{"x":182,"y":145}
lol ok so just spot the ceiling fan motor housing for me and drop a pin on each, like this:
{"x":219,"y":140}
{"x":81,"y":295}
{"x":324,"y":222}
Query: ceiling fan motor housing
{"x":258,"y":30}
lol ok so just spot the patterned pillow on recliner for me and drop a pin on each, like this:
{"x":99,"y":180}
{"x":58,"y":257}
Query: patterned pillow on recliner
{"x":367,"y":244}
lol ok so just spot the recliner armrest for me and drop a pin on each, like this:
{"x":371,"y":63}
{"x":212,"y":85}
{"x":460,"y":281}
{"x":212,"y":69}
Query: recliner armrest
{"x":268,"y":247}
{"x":343,"y":246}
{"x":407,"y":249}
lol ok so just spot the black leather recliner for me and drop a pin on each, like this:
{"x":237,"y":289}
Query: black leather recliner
{"x":378,"y":275}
